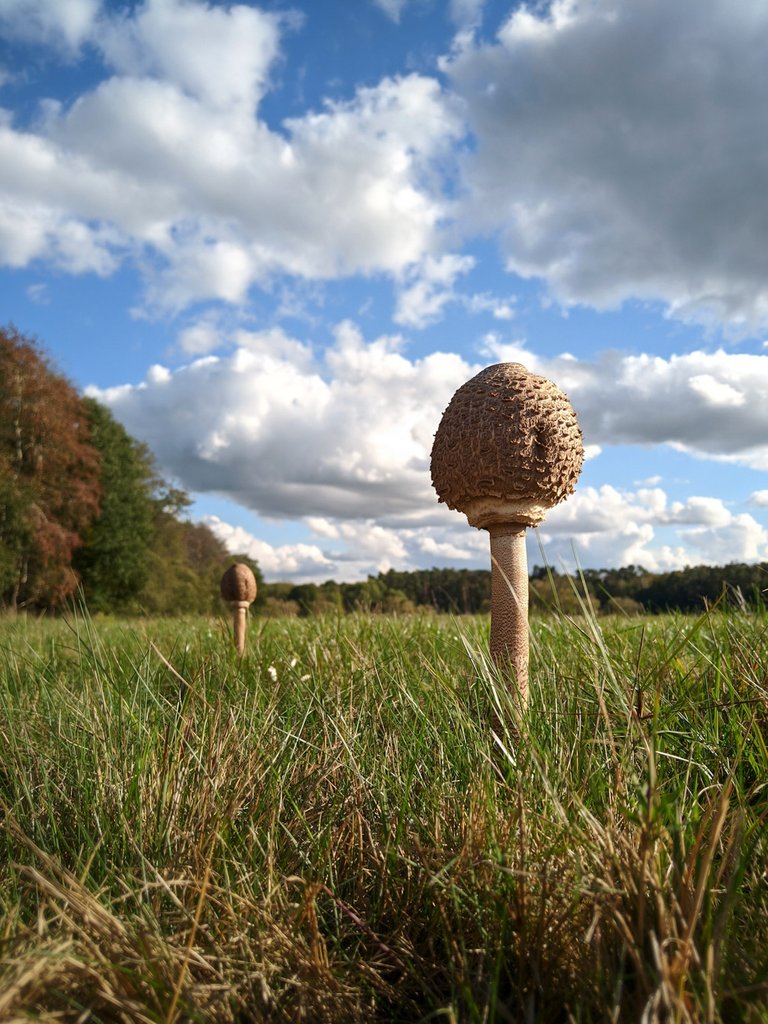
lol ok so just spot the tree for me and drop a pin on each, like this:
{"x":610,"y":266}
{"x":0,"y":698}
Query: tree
{"x":80,"y":499}
{"x":172,"y":584}
{"x":15,"y":529}
{"x":49,"y":476}
{"x":113,"y":562}
{"x":186,"y":562}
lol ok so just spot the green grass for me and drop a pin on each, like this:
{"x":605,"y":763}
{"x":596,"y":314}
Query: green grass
{"x":352,"y":823}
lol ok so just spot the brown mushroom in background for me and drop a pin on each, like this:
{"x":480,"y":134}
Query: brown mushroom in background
{"x":508,"y":448}
{"x":238,"y":587}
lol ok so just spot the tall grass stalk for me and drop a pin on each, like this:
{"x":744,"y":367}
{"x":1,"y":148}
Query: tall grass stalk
{"x":352,"y":823}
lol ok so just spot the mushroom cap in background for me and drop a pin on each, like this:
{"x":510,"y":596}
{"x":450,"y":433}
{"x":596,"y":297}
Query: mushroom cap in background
{"x":508,"y":448}
{"x":238,"y":583}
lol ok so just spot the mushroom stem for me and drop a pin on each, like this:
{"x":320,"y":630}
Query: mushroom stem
{"x":509,"y":604}
{"x":240,"y":616}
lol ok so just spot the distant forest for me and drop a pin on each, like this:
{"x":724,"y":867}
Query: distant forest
{"x":627,"y":591}
{"x":84,"y":514}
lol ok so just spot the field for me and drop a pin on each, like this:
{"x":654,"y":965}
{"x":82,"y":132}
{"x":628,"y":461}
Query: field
{"x":353,"y":824}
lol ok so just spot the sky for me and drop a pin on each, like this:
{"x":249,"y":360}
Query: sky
{"x":274,"y":238}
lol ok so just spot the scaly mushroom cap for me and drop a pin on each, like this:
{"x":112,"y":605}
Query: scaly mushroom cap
{"x":238,"y":583}
{"x":508,"y":448}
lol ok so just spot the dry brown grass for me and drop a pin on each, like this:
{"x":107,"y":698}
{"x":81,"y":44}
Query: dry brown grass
{"x":370,"y":837}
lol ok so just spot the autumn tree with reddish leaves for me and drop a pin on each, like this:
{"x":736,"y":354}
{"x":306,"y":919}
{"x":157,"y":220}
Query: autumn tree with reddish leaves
{"x":49,"y":476}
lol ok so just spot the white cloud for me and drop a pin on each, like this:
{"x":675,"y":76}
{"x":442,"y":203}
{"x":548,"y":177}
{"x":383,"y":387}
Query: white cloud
{"x":606,"y":527}
{"x":513,"y":351}
{"x":445,"y":550}
{"x":759,"y":498}
{"x":288,"y":436}
{"x":342,"y":442}
{"x":297,"y":562}
{"x":80,"y":248}
{"x":66,"y":23}
{"x":619,"y":152}
{"x":596,"y":528}
{"x":741,"y":539}
{"x":167,"y":163}
{"x":322,"y":527}
{"x":158,"y":374}
{"x":162,"y":39}
{"x":202,"y":336}
{"x":392,"y":8}
{"x":709,"y":404}
{"x":616,"y":149}
{"x":383,"y":546}
{"x":31,"y":232}
{"x":707,"y":512}
{"x":715,"y":392}
{"x":426,"y":287}
{"x":361,"y":549}
{"x":482,"y":302}
{"x":429,"y":288}
{"x":22,"y":234}
{"x":467,"y":14}
{"x":348,"y":435}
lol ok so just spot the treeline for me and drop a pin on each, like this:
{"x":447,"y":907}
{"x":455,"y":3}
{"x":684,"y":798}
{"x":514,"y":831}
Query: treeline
{"x":629,"y":591}
{"x":83,"y":508}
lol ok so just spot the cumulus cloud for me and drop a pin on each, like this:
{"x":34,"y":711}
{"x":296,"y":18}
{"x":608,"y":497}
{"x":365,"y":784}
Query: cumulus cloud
{"x":615,"y":148}
{"x":285,"y":433}
{"x":620,"y":155}
{"x":201,"y":336}
{"x":593,"y":510}
{"x":347,"y":433}
{"x":49,"y":21}
{"x":429,"y":288}
{"x":597,"y":528}
{"x":482,"y":302}
{"x":27,"y":234}
{"x":607,"y":527}
{"x":162,"y":40}
{"x":299,"y":562}
{"x":345,"y":550}
{"x":709,"y":404}
{"x":466,"y":14}
{"x":168,"y":158}
{"x":341,"y":440}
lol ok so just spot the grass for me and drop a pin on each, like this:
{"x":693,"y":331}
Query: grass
{"x":352,"y":823}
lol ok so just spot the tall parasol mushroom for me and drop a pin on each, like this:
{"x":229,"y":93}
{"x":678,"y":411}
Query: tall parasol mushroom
{"x":508,"y":448}
{"x":238,"y":587}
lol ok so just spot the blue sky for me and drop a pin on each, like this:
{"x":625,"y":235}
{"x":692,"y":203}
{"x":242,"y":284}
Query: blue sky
{"x":275,"y":238}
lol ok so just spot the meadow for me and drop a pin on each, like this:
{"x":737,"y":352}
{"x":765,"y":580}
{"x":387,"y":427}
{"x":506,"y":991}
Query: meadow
{"x":352,"y":823}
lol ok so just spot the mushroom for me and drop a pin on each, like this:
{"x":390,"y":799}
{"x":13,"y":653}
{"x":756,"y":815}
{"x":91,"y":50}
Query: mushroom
{"x":238,"y":587}
{"x":508,"y":448}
